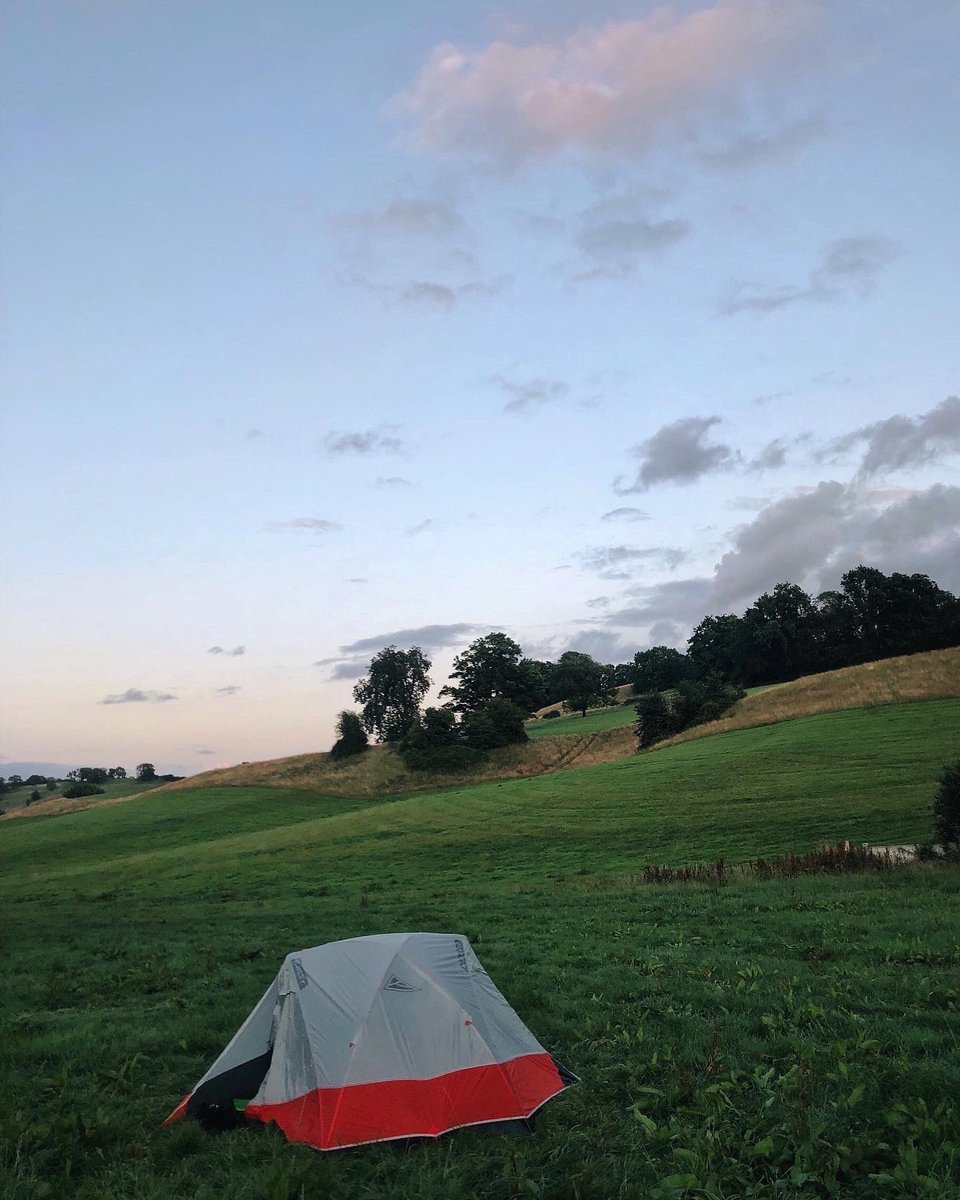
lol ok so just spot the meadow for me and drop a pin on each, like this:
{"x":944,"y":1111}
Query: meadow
{"x":783,"y":1037}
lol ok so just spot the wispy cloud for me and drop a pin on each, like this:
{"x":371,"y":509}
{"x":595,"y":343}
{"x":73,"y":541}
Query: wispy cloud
{"x":421,"y":527}
{"x":353,"y":659}
{"x":625,"y":514}
{"x":392,"y":481}
{"x":306,"y":525}
{"x":405,"y":217}
{"x":849,"y":268}
{"x":619,"y":562}
{"x":755,"y":149}
{"x":364,"y":441}
{"x":234,"y":653}
{"x":530,"y":393}
{"x":230,"y":690}
{"x":139,"y":696}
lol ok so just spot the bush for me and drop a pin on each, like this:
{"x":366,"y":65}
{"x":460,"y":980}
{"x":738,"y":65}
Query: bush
{"x":75,"y":790}
{"x":498,"y":723}
{"x":433,"y":744}
{"x":946,"y":806}
{"x":551,"y":715}
{"x":351,"y":736}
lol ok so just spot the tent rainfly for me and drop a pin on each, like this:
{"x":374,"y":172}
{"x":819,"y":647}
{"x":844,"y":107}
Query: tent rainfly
{"x":373,"y":1038}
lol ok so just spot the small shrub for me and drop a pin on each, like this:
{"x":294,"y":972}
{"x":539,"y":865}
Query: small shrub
{"x":76,"y":790}
{"x":551,"y":715}
{"x":351,"y":736}
{"x":946,"y":806}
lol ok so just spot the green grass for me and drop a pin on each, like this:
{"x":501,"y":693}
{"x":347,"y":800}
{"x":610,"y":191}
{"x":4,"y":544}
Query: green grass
{"x":783,"y":1038}
{"x":594,"y":722}
{"x":113,"y":787}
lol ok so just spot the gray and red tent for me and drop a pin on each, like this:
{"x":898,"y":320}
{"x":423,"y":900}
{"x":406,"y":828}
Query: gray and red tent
{"x":394,"y":1036}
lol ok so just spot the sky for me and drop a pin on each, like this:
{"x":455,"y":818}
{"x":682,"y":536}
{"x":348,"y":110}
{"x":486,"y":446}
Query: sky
{"x":329,"y":327}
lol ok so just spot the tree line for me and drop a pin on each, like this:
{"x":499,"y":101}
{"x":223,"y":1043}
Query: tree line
{"x":785,"y":633}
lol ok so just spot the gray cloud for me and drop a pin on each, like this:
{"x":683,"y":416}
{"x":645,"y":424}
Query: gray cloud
{"x":751,"y":149}
{"x":206,"y":752}
{"x":419,"y":218}
{"x":358,"y":579}
{"x":230,"y":690}
{"x":625,"y":514}
{"x":620,"y":243}
{"x":353,"y":659}
{"x":679,"y":453}
{"x":421,"y":527}
{"x":811,"y":537}
{"x":367,"y":441}
{"x":849,"y":268}
{"x":618,"y":562}
{"x":774,"y":453}
{"x":426,"y":293}
{"x":531,"y":394}
{"x":604,"y":646}
{"x":392,"y":481}
{"x":307,"y":525}
{"x":234,"y":653}
{"x":901,"y":442}
{"x":137,"y":696}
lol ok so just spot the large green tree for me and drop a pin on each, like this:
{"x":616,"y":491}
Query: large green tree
{"x":493,"y":668}
{"x":659,"y":668}
{"x":585,"y":683}
{"x":390,"y":695}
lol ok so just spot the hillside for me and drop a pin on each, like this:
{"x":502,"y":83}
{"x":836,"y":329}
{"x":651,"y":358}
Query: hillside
{"x":787,"y":1036}
{"x":603,"y":736}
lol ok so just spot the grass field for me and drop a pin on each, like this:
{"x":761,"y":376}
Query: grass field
{"x":595,"y":720}
{"x":15,"y":803}
{"x":794,"y":1038}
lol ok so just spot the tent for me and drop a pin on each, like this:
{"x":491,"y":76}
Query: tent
{"x":374,"y":1038}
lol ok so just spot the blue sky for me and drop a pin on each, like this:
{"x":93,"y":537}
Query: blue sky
{"x":575,"y":320}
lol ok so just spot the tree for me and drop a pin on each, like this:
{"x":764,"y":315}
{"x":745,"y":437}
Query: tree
{"x":51,"y":785}
{"x":654,"y":719}
{"x":117,"y":773}
{"x":716,"y":645}
{"x":146,"y":772}
{"x":15,"y":781}
{"x":658,"y":669}
{"x":351,"y":736}
{"x":498,"y":723}
{"x":34,"y":795}
{"x":946,"y":806}
{"x":391,"y":693}
{"x":584,"y":682}
{"x":493,"y":668}
{"x":779,"y":634}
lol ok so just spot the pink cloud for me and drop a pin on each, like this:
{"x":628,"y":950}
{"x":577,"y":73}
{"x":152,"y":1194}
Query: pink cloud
{"x":606,"y":90}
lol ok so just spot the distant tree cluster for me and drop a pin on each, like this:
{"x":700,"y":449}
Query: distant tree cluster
{"x":96,"y":775}
{"x":785,"y":633}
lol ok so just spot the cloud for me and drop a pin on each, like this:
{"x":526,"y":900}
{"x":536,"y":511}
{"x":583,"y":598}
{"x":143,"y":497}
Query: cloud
{"x":849,"y":268}
{"x":531,"y":394}
{"x":423,"y":293}
{"x":625,"y":514}
{"x":307,"y":524}
{"x":368,"y":441}
{"x":618,"y":562}
{"x":230,"y":690}
{"x":900,"y":442}
{"x":416,"y":218}
{"x":811,"y":537}
{"x":136,"y":696}
{"x":353,"y":659}
{"x":603,"y":91}
{"x":752,"y":149}
{"x":421,"y":527}
{"x":358,"y":579}
{"x":392,"y":481}
{"x":206,"y":752}
{"x":234,"y":653}
{"x":679,"y":453}
{"x":604,"y":646}
{"x":620,"y":243}
{"x":774,"y":453}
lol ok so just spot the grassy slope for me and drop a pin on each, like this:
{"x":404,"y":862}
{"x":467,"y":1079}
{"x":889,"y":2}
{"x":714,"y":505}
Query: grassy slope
{"x":790,"y":1037}
{"x":54,"y":803}
{"x":595,"y":720}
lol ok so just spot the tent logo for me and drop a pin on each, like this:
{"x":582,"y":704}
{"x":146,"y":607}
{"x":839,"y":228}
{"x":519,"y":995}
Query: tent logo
{"x":300,"y":973}
{"x":396,"y":984}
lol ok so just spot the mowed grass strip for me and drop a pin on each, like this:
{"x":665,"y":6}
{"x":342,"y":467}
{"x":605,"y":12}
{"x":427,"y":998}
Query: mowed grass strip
{"x":866,"y":775}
